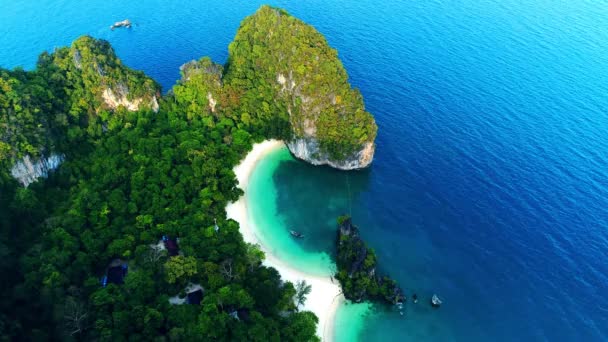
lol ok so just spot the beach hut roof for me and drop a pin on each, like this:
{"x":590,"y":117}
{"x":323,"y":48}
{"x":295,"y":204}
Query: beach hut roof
{"x":116,"y":274}
{"x":171,"y":245}
{"x":195,"y":297}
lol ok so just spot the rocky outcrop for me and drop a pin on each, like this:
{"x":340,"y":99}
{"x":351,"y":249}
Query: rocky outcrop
{"x":307,"y":149}
{"x":357,"y":268}
{"x":87,"y":78}
{"x":286,"y":70}
{"x":110,"y":83}
{"x":200,"y":87}
{"x":115,"y":99}
{"x":27,"y":171}
{"x":305,"y":144}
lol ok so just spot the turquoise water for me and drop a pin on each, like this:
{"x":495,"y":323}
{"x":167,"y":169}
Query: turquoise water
{"x":286,"y":194}
{"x":273,"y":224}
{"x":351,"y":320}
{"x":489,"y":185}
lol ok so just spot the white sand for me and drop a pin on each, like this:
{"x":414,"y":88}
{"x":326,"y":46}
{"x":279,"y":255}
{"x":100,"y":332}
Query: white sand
{"x":325,"y":296}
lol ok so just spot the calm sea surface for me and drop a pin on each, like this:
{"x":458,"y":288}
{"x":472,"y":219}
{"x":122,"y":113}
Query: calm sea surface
{"x":490,"y":182}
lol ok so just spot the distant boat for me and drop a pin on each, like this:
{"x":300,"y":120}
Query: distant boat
{"x":296,"y":234}
{"x":435,"y":301}
{"x":125,"y":23}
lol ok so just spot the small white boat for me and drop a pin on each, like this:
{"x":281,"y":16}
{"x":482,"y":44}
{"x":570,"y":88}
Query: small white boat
{"x":296,"y":234}
{"x":435,"y":301}
{"x":125,"y":23}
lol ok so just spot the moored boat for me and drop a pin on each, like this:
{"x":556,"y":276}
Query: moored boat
{"x":435,"y":301}
{"x":296,"y":234}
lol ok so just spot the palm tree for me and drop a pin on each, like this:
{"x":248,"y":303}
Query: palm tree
{"x":302,"y":290}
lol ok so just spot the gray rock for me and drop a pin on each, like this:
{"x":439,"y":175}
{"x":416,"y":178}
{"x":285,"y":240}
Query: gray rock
{"x":307,"y":149}
{"x":27,"y":171}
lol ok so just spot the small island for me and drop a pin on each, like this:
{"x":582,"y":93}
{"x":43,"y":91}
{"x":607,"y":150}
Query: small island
{"x":357,"y":268}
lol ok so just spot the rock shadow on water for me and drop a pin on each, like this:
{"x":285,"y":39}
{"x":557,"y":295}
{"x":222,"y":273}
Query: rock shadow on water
{"x":309,"y":198}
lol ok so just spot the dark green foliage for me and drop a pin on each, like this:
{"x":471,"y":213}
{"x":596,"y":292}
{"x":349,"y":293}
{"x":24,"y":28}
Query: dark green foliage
{"x":59,"y":107}
{"x":357,"y":268}
{"x":31,"y":110}
{"x":151,"y":175}
{"x":135,"y":172}
{"x":284,"y":67}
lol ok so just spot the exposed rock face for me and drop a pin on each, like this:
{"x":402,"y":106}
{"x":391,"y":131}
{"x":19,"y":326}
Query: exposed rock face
{"x":305,"y":145}
{"x":212,"y":102}
{"x":115,"y":99}
{"x":109,"y":80}
{"x":308,"y":150}
{"x":27,"y":171}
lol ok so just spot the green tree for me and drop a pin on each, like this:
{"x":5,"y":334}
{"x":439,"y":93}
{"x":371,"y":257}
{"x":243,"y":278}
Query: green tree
{"x":179,"y":268}
{"x":302,"y":290}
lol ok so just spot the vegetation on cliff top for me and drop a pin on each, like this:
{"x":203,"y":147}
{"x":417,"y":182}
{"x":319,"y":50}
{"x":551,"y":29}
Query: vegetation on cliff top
{"x":357,"y":268}
{"x":31,"y":111}
{"x":282,"y":80}
{"x":284,"y":66}
{"x":59,"y":105}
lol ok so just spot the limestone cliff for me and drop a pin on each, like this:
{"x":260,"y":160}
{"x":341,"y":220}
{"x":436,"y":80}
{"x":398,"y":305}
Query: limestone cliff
{"x":308,"y":149}
{"x":26,"y":171}
{"x":114,"y":100}
{"x":287,"y":70}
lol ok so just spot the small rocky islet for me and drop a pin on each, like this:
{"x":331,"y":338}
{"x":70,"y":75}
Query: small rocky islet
{"x":357,"y":268}
{"x":357,"y":264}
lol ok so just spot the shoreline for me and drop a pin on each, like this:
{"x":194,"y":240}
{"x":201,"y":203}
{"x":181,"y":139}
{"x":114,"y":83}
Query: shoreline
{"x":325,"y":296}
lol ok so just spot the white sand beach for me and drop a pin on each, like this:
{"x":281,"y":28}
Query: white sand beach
{"x":326,"y":296}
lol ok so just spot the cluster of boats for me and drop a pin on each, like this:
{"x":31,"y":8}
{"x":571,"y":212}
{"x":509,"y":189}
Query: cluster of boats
{"x":435,"y":302}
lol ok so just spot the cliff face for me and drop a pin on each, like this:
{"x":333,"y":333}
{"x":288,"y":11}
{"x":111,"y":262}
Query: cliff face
{"x":308,"y":149}
{"x":303,"y":83}
{"x":26,"y":171}
{"x":116,"y":99}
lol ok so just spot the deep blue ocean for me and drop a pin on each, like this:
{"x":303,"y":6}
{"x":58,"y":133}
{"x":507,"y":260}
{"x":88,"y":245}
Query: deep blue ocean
{"x":490,"y":181}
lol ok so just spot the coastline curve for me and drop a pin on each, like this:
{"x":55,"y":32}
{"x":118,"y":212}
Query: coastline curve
{"x":326,"y":296}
